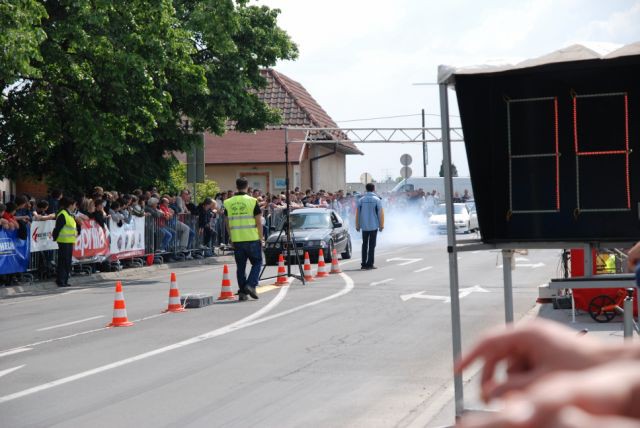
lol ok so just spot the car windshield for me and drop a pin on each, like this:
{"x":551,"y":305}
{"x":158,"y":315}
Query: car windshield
{"x":442,"y":209}
{"x":311,"y":221}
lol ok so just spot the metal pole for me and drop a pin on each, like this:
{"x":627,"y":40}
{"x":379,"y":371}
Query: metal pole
{"x":628,"y":315}
{"x":507,"y":258}
{"x":288,"y":208}
{"x":456,"y":333}
{"x":588,"y":261}
{"x":425,"y":154}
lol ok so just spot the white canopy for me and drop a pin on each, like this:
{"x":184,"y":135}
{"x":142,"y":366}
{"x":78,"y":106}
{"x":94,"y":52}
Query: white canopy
{"x":577,"y":52}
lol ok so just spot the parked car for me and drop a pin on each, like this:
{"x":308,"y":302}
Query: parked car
{"x":464,"y":217}
{"x":312,"y":229}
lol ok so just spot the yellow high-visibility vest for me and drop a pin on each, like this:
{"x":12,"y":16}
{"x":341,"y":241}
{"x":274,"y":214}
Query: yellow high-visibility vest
{"x":242,"y":222}
{"x":68,"y":233}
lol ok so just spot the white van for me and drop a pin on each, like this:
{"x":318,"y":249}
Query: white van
{"x":430,"y":183}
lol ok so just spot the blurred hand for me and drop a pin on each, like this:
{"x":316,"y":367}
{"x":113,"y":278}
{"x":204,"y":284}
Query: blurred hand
{"x":599,"y":397}
{"x":531,"y":350}
{"x":633,"y":257}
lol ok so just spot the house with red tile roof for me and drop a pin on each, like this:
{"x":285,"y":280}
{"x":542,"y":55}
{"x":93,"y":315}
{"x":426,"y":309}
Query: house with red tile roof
{"x":260,"y":157}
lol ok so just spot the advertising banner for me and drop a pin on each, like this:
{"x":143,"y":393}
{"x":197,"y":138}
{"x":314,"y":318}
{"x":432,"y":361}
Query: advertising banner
{"x":41,"y":239}
{"x":127,"y":240}
{"x":14,"y":252}
{"x":92,"y":243}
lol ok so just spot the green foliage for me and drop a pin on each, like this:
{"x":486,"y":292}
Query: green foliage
{"x":178,"y":181}
{"x":454,"y":170}
{"x":103,"y":100}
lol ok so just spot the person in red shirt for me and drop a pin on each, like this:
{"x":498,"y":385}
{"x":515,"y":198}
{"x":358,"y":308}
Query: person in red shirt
{"x":9,"y":216}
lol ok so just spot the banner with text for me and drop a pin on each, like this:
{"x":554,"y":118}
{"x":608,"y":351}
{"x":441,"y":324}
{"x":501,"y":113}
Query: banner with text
{"x":41,"y":239}
{"x":127,"y":240}
{"x":14,"y":252}
{"x":92,"y":243}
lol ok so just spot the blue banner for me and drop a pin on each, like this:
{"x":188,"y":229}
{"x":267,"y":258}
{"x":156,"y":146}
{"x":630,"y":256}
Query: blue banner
{"x":14,"y":252}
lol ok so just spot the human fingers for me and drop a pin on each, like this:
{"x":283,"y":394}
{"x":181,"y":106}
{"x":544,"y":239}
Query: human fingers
{"x":572,"y":417}
{"x":517,"y":414}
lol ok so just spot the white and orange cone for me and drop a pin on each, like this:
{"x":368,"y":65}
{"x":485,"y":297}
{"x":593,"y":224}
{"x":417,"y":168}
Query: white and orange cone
{"x":282,"y":272}
{"x":335,"y":266}
{"x":119,"y":309}
{"x":226,"y":293}
{"x":174,"y":296}
{"x":308,"y":274}
{"x":322,"y":268}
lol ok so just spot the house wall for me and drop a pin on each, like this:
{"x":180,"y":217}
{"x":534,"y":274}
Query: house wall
{"x":329,"y":173}
{"x":273,"y":175}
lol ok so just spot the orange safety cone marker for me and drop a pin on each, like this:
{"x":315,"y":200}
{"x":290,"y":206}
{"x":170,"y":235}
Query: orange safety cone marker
{"x":308,"y":275}
{"x":282,"y":272}
{"x":174,"y":296}
{"x":335,"y":266}
{"x":322,"y":268}
{"x":225,"y":292}
{"x":119,"y":309}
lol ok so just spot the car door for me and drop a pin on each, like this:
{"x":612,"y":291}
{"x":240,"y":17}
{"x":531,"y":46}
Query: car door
{"x":338,"y":232}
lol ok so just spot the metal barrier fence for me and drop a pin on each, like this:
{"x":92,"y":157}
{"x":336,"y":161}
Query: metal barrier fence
{"x":178,"y":238}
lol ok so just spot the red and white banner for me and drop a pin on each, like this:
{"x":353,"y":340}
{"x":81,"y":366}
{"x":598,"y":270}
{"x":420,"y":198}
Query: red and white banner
{"x":128,"y":239}
{"x":41,"y":239}
{"x":92,"y":243}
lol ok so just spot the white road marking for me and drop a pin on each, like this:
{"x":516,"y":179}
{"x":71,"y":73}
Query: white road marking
{"x":462,"y":293}
{"x":529,"y":265}
{"x":384,"y":281}
{"x":244,"y":322}
{"x":14,"y":351}
{"x":423,"y":269}
{"x":521,"y":259}
{"x":69,"y":323}
{"x":408,"y":261}
{"x":7,"y":371}
{"x":35,"y":299}
{"x":459,"y":257}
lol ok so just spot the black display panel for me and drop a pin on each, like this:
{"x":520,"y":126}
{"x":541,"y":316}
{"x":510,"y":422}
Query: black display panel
{"x":553,"y":150}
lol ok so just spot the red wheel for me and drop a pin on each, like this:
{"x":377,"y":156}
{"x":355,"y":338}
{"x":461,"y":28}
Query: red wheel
{"x":596,"y":305}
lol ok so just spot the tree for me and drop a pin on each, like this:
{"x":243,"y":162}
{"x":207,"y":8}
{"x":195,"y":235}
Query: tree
{"x":178,"y":181}
{"x":106,"y":101}
{"x":454,"y":170}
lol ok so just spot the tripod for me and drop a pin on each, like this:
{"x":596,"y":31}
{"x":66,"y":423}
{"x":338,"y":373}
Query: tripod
{"x":288,"y":244}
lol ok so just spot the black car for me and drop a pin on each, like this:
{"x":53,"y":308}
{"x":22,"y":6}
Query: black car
{"x":312,"y":229}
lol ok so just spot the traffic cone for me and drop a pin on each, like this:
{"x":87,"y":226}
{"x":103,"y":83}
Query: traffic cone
{"x":225,"y":292}
{"x":119,"y":309}
{"x":335,"y":266}
{"x":308,"y":275}
{"x":322,"y":268}
{"x":282,"y":272}
{"x":174,"y":296}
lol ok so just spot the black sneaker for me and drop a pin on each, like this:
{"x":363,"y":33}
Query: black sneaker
{"x":242,"y":297}
{"x":251,"y":291}
{"x":371,"y":267}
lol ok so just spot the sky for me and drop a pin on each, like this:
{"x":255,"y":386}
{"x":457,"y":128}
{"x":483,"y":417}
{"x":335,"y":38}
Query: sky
{"x":361,"y":59}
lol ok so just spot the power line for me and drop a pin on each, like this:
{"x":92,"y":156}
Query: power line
{"x":391,"y":117}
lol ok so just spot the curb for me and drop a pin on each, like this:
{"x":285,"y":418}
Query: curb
{"x":84,"y":280}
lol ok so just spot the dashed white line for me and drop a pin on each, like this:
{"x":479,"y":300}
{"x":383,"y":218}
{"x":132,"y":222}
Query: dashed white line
{"x":7,"y":371}
{"x":69,"y":323}
{"x":423,"y":269}
{"x":15,"y":351}
{"x":384,"y":281}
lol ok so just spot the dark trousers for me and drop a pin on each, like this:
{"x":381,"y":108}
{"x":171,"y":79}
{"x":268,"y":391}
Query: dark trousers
{"x":368,"y":247}
{"x":243,"y":251}
{"x":65,"y":252}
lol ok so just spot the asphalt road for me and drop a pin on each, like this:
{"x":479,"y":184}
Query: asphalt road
{"x":363,"y":348}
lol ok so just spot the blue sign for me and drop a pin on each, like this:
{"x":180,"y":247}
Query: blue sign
{"x":14,"y":252}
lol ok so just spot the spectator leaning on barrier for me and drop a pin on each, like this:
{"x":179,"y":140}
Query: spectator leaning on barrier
{"x":4,"y":223}
{"x":206,"y":222}
{"x":40,"y":213}
{"x":64,"y":233}
{"x":244,"y":223}
{"x":162,"y":223}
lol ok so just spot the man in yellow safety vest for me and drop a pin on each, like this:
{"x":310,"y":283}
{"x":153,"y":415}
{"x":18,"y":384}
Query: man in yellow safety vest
{"x":65,"y":233}
{"x":244,"y":224}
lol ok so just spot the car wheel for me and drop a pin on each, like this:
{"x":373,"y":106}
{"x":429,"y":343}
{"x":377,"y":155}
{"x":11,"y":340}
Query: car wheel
{"x":347,"y":251}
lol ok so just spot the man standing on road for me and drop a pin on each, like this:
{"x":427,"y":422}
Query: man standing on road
{"x":369,"y":218}
{"x":244,"y":224}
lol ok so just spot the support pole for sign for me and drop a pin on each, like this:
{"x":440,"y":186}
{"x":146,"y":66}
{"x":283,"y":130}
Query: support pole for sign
{"x":424,"y":148}
{"x":456,"y":331}
{"x":507,"y":260}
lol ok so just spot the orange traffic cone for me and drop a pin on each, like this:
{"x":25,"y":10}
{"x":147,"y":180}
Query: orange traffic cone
{"x":225,"y":292}
{"x":282,"y":272}
{"x":308,"y":275}
{"x":335,"y":266}
{"x":174,"y":296}
{"x":119,"y":309}
{"x":322,"y":268}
